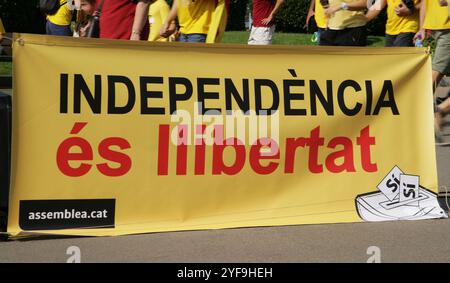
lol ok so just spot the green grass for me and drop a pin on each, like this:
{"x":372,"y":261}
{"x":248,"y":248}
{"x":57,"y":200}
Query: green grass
{"x":241,"y":37}
{"x":5,"y":68}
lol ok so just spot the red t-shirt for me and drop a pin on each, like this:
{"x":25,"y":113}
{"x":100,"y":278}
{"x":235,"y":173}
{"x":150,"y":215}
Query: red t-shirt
{"x":261,"y":10}
{"x":116,"y":20}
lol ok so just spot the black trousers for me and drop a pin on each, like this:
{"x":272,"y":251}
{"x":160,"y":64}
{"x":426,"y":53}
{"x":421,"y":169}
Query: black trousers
{"x":402,"y":39}
{"x":346,"y":37}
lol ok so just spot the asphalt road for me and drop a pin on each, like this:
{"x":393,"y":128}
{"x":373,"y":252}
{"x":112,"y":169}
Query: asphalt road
{"x":418,"y":241}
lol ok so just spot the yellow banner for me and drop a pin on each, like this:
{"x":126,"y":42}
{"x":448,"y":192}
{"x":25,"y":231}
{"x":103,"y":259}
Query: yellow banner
{"x":117,"y":137}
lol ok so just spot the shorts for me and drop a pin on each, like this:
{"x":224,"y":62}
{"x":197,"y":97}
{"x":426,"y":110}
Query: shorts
{"x":441,"y":59}
{"x":261,"y":35}
{"x":346,"y":37}
{"x":404,"y":39}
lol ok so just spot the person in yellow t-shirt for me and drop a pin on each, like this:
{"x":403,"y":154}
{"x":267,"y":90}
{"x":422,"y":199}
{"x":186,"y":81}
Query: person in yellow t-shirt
{"x":2,"y":30}
{"x":158,"y":13}
{"x":2,"y":33}
{"x":59,"y":23}
{"x":402,"y":20}
{"x":194,"y":18}
{"x":346,"y":23}
{"x":316,"y":9}
{"x":434,"y":16}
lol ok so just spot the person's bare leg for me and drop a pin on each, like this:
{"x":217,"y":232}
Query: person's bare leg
{"x":437,"y":77}
{"x":442,"y":110}
{"x":445,"y":106}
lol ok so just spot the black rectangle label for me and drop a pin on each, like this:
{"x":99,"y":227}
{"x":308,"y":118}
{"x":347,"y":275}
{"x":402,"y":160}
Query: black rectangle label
{"x":67,"y":214}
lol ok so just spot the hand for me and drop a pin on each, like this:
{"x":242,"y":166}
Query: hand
{"x":329,"y":12}
{"x":174,"y":37}
{"x":402,"y":11}
{"x":84,"y":30}
{"x":443,"y":3}
{"x":308,"y":17}
{"x":420,"y":35}
{"x":267,"y":20}
{"x":167,"y":29}
{"x":163,"y":30}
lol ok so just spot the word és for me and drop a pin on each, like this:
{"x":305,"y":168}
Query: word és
{"x":66,"y":154}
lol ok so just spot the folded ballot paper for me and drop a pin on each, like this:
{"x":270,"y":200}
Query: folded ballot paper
{"x":399,"y":197}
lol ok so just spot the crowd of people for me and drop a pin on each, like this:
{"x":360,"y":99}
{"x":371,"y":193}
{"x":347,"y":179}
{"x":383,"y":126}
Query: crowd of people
{"x":409,"y":23}
{"x":2,"y":29}
{"x":153,"y":20}
{"x":338,"y":22}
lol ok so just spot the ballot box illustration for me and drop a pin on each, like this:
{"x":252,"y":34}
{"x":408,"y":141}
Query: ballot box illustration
{"x":399,"y":197}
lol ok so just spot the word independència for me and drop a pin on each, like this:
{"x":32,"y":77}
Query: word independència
{"x":165,"y":95}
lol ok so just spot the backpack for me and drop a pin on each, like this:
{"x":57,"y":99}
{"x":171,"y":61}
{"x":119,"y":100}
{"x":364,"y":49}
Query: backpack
{"x":50,"y":7}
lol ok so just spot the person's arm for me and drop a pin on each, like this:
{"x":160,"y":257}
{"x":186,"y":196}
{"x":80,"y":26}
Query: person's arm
{"x":421,"y":34}
{"x":354,"y":6}
{"x":84,"y":30}
{"x":375,"y":9}
{"x":140,"y":18}
{"x":77,"y":4}
{"x":270,"y":18}
{"x":169,"y":27}
{"x":312,"y":7}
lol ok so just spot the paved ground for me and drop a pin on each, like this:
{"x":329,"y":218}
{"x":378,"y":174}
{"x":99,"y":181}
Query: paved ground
{"x":420,"y":241}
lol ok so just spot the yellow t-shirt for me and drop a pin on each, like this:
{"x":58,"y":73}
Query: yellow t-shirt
{"x":436,"y":17}
{"x":195,"y":16}
{"x":343,"y":19}
{"x":63,"y":16}
{"x":319,"y":15}
{"x":2,"y":29}
{"x":158,"y":12}
{"x":395,"y":24}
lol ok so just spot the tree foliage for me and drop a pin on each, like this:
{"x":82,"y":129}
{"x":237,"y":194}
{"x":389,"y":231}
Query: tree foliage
{"x":22,"y":16}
